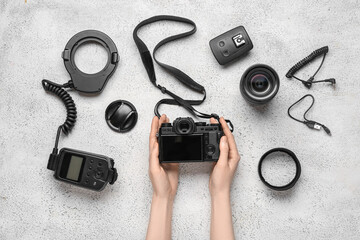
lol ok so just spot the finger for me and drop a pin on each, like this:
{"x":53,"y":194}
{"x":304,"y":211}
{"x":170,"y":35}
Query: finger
{"x":234,"y":161}
{"x":153,"y":131}
{"x":154,"y":145}
{"x":224,"y":151}
{"x":167,"y":119}
{"x":162,"y":120}
{"x":235,"y":157}
{"x":154,"y":157}
{"x":229,"y":135}
{"x":213,"y":121}
{"x":170,"y":166}
{"x":172,"y":170}
{"x":212,"y":167}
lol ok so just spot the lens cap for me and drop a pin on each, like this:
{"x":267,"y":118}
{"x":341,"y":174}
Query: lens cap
{"x":121,"y":116}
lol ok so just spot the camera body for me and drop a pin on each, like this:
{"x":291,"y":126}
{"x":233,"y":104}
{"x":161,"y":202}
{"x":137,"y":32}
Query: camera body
{"x":84,"y":169}
{"x":189,"y":141}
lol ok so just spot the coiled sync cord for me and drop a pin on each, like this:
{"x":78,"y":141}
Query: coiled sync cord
{"x":308,"y":83}
{"x":59,"y":91}
{"x":310,"y":123}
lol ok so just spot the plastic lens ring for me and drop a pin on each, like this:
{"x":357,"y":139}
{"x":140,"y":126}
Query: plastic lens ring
{"x":297,"y":173}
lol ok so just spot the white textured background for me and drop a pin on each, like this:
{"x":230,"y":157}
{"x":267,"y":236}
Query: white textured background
{"x":325,"y":203}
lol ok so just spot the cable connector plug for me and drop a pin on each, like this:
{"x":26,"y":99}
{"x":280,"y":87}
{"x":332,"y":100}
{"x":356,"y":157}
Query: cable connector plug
{"x":317,"y":126}
{"x":309,"y":82}
{"x":327,"y":130}
{"x":313,"y":125}
{"x":331,"y":80}
{"x":52,"y":160}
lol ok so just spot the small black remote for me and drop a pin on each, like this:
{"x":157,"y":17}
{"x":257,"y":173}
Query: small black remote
{"x":231,"y":45}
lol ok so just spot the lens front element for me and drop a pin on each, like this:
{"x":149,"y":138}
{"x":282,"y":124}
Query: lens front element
{"x":259,"y":83}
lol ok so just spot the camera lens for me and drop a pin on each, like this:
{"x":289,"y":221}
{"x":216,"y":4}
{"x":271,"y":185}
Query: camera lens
{"x":259,"y":84}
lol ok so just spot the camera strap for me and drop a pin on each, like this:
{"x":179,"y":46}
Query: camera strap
{"x":177,"y":73}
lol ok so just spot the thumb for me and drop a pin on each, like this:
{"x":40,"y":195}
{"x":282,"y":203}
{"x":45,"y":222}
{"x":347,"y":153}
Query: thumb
{"x":154,"y":156}
{"x":224,"y":150}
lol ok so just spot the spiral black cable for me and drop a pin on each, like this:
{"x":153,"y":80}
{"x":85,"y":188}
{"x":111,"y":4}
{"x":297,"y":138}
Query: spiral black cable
{"x":59,"y":91}
{"x":307,"y":60}
{"x":308,"y":83}
{"x":69,"y":123}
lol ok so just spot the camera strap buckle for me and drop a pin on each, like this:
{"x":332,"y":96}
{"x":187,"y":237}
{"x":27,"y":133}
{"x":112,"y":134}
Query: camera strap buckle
{"x":162,"y":89}
{"x":230,"y":124}
{"x":214,"y":115}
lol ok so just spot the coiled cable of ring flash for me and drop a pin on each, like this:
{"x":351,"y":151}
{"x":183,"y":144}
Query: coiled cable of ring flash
{"x":308,"y":83}
{"x":310,"y":123}
{"x":59,"y":91}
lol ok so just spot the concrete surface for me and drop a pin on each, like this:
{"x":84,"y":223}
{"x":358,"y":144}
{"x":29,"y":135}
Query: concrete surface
{"x":325,"y":204}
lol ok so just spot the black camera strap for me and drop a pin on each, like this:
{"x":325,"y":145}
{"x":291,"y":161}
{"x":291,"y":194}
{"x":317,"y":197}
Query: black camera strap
{"x":177,"y":73}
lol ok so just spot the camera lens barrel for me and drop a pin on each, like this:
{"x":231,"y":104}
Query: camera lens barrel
{"x":259,"y":84}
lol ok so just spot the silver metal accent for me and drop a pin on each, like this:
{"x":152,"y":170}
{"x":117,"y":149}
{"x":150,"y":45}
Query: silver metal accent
{"x":238,"y":40}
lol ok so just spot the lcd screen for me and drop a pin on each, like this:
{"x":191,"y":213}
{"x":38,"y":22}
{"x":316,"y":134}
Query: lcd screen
{"x":182,"y":148}
{"x":74,"y":169}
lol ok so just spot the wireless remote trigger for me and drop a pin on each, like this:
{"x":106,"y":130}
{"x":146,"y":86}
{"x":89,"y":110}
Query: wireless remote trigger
{"x":231,"y":45}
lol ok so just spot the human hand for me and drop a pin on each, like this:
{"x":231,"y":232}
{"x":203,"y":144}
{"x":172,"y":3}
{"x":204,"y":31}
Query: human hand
{"x":164,"y":177}
{"x":223,"y":171}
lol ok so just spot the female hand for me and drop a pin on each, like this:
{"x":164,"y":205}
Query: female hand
{"x":164,"y":177}
{"x":223,"y":171}
{"x":220,"y":183}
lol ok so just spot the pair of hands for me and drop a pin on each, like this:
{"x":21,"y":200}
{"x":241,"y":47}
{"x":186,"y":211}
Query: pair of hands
{"x":164,"y":177}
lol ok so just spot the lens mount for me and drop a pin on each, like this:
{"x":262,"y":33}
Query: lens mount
{"x":259,"y":84}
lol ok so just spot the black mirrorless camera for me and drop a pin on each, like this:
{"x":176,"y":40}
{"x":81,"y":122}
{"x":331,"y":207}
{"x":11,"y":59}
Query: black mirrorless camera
{"x":189,"y":141}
